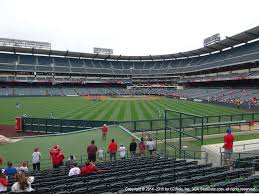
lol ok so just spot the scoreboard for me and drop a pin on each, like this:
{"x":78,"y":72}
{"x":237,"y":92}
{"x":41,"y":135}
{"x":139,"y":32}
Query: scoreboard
{"x":24,"y":43}
{"x":212,"y":39}
{"x":103,"y":51}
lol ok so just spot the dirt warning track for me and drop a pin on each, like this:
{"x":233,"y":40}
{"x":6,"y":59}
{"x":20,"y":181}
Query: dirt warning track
{"x":9,"y":131}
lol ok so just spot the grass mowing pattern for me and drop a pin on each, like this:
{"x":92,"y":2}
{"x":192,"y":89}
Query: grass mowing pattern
{"x":71,"y":144}
{"x":80,"y":108}
{"x":240,"y":137}
{"x":210,"y":131}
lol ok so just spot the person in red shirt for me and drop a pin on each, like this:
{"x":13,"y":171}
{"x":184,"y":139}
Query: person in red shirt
{"x":112,"y":149}
{"x":142,"y":147}
{"x":104,"y":131}
{"x":88,"y":168}
{"x":57,"y":158}
{"x":55,"y":148}
{"x":228,"y":147}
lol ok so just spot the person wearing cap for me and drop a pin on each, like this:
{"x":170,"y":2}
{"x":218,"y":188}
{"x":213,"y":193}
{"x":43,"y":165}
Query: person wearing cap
{"x":57,"y":159}
{"x":56,"y":156}
{"x":24,"y":168}
{"x":228,"y":147}
{"x":104,"y":131}
{"x":55,"y":148}
{"x":133,"y":148}
{"x":36,"y":156}
{"x":122,"y":151}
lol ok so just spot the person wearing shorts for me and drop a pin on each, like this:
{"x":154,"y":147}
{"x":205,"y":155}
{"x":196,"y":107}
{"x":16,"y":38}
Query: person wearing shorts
{"x":228,"y":147}
{"x":104,"y":131}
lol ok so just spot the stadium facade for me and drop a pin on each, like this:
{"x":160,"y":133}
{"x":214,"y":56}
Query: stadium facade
{"x":234,"y":60}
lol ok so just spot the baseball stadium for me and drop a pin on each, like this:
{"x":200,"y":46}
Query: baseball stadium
{"x":183,"y":107}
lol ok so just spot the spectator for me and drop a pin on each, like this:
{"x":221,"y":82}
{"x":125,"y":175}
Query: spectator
{"x":88,"y":168}
{"x":74,"y":170}
{"x":57,"y":154}
{"x":151,"y":146}
{"x":142,"y":147}
{"x":3,"y":182}
{"x":10,"y":170}
{"x":36,"y":156}
{"x":122,"y":151}
{"x":23,"y":183}
{"x":55,"y":148}
{"x":57,"y":159}
{"x":133,"y":148}
{"x":24,"y":168}
{"x":228,"y":147}
{"x":91,"y":151}
{"x":70,"y":162}
{"x":112,"y":149}
{"x":104,"y":131}
{"x":100,"y":154}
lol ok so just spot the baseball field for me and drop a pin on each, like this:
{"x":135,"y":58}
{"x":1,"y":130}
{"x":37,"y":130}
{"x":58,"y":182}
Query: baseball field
{"x":107,"y":109}
{"x":118,"y":109}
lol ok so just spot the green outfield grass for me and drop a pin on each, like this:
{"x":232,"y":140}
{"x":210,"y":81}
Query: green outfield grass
{"x":210,"y":131}
{"x":71,"y":144}
{"x":80,"y":108}
{"x":195,"y":145}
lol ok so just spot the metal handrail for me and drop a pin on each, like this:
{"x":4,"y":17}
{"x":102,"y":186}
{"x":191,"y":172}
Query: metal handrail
{"x":243,"y":145}
{"x":185,"y":151}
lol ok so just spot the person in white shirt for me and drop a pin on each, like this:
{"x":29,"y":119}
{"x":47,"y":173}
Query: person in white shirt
{"x":36,"y":155}
{"x":74,"y":170}
{"x":100,"y":154}
{"x":122,"y":151}
{"x":23,"y":183}
{"x":151,"y":146}
{"x":24,"y":168}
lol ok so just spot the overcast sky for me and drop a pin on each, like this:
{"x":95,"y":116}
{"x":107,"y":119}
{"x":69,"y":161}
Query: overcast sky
{"x":130,"y":27}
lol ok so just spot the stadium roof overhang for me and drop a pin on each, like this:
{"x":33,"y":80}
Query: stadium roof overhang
{"x":243,"y":37}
